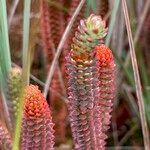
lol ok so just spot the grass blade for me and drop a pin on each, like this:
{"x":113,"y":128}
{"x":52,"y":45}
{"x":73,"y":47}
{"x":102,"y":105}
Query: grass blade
{"x":112,"y":21}
{"x":12,"y":12}
{"x":137,"y":79}
{"x":26,"y":26}
{"x":26,"y":70}
{"x":5,"y":60}
{"x":139,"y":28}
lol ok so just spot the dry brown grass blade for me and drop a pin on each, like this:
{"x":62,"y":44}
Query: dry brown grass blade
{"x":139,"y":28}
{"x":12,"y":12}
{"x":137,"y":79}
{"x":60,"y":46}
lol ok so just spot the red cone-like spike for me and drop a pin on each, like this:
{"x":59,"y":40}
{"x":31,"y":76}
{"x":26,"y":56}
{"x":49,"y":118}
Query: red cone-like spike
{"x":107,"y":77}
{"x":37,"y":127}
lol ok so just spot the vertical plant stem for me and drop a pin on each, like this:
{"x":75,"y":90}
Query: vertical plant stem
{"x":5,"y":59}
{"x":112,"y":21}
{"x":60,"y":46}
{"x":26,"y":71}
{"x":12,"y":12}
{"x":137,"y":79}
{"x":60,"y":75}
{"x":139,"y":28}
{"x":26,"y":26}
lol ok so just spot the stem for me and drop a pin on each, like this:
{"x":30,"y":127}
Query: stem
{"x":112,"y":21}
{"x":26,"y":26}
{"x":139,"y":28}
{"x":26,"y":72}
{"x":12,"y":12}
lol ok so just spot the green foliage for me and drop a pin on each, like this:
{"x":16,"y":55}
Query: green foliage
{"x":5,"y":60}
{"x":26,"y":70}
{"x":112,"y":21}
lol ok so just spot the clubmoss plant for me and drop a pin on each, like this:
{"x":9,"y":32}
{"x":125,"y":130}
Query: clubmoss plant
{"x":107,"y":78}
{"x":37,"y":126}
{"x":83,"y":84}
{"x":14,"y":83}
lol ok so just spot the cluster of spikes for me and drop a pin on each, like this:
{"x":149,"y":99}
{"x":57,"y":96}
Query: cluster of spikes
{"x":90,"y":69}
{"x":55,"y":15}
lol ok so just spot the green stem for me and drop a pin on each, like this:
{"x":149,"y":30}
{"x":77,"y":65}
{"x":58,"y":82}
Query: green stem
{"x":26,"y":26}
{"x":26,"y":70}
{"x":5,"y":59}
{"x":112,"y":21}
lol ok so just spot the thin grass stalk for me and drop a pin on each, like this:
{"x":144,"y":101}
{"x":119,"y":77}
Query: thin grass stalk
{"x":139,"y":28}
{"x":12,"y":12}
{"x":5,"y":59}
{"x":26,"y":26}
{"x":60,"y":78}
{"x":26,"y":71}
{"x":112,"y":21}
{"x":60,"y":46}
{"x":137,"y":79}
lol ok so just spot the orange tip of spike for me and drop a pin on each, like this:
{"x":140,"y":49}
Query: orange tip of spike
{"x":104,"y":55}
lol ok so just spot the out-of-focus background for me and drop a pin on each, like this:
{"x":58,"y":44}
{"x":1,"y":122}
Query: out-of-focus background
{"x":125,"y":131}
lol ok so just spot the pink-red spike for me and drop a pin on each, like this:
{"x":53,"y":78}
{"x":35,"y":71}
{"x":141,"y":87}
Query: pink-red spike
{"x":37,"y":126}
{"x":107,"y":78}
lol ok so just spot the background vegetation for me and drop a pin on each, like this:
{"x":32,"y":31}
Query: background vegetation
{"x":21,"y":44}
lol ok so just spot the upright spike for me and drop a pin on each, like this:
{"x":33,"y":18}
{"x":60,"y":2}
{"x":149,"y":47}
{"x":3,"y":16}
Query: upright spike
{"x":37,"y":127}
{"x":14,"y":82}
{"x":107,"y":78}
